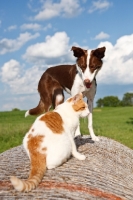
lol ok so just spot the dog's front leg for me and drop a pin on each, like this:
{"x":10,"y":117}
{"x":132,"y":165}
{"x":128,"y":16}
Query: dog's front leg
{"x":90,"y":121}
{"x":90,"y":97}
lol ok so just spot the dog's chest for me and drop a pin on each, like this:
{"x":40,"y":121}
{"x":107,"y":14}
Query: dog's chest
{"x":78,"y":85}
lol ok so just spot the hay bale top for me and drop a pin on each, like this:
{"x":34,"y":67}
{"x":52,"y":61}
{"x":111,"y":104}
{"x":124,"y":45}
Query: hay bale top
{"x":107,"y":173}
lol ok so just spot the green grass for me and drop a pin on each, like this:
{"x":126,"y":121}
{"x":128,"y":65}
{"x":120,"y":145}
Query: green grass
{"x":13,"y":126}
{"x":115,"y":123}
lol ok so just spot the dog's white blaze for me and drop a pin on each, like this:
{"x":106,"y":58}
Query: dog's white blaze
{"x":88,"y":57}
{"x":87,"y":73}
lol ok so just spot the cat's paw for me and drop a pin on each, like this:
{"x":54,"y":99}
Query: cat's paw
{"x":96,"y":139}
{"x":79,"y":156}
{"x":82,"y":157}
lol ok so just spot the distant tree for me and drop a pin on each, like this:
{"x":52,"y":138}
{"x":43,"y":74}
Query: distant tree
{"x":127,"y":99}
{"x":15,"y":109}
{"x":109,"y":101}
{"x":99,"y":102}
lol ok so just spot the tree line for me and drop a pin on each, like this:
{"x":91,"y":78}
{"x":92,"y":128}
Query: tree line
{"x":114,"y":101}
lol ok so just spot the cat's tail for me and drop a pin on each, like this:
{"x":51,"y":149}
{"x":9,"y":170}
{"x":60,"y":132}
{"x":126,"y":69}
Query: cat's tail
{"x":38,"y":168}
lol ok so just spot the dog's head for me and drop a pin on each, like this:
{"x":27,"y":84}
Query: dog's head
{"x":88,"y":63}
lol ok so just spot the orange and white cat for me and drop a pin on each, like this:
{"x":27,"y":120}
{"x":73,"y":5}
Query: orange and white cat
{"x":50,"y":140}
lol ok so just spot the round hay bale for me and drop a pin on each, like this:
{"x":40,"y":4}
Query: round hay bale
{"x":107,"y":173}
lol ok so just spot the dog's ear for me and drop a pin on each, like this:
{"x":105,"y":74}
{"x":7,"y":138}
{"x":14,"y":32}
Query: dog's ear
{"x":99,"y":53}
{"x":77,"y":52}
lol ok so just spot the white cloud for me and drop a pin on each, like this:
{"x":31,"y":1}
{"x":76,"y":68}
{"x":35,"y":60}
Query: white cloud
{"x":118,"y":62}
{"x":31,"y":26}
{"x":66,"y":8}
{"x":10,"y":28}
{"x":19,"y":80}
{"x":35,"y":27}
{"x":10,"y":45}
{"x":23,"y":102}
{"x":54,"y":48}
{"x":100,"y":5}
{"x":48,"y":26}
{"x":10,"y":71}
{"x":102,"y":36}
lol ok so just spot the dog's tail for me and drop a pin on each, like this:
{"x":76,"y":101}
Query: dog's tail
{"x":38,"y":168}
{"x":37,"y":110}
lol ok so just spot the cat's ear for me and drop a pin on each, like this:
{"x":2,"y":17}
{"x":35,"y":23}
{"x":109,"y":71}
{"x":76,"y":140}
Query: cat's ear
{"x":77,"y":97}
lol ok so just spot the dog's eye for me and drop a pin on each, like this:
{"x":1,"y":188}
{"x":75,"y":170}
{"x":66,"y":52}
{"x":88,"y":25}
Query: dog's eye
{"x":83,"y":68}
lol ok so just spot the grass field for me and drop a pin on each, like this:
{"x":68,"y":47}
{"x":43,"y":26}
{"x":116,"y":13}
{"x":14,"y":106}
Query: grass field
{"x":115,"y":123}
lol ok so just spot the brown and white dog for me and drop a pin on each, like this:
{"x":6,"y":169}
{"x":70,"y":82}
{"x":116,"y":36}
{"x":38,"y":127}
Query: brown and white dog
{"x":74,"y":79}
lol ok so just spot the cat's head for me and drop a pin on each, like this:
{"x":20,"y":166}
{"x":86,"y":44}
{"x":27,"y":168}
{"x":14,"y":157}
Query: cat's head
{"x":78,"y":105}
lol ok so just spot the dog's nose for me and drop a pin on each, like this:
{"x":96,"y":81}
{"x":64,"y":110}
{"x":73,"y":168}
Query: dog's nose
{"x":87,"y":83}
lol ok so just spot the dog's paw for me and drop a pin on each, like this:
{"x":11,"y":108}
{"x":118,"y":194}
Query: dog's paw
{"x":96,"y":139}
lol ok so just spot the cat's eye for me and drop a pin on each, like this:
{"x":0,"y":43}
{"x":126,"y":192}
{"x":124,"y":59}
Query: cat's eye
{"x":83,"y":107}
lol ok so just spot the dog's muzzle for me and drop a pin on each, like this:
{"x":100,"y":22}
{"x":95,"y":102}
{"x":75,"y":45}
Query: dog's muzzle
{"x":87,"y":83}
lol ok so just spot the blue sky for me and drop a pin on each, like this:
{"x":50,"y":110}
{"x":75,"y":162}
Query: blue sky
{"x":37,"y":34}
